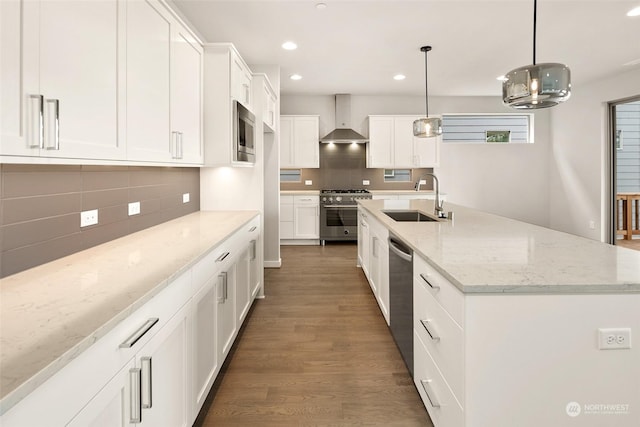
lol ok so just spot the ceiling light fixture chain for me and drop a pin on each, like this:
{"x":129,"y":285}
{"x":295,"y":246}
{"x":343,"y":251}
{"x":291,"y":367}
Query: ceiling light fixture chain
{"x":429,"y":126}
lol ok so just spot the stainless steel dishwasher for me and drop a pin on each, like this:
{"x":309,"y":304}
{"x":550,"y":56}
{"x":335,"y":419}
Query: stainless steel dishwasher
{"x":401,"y":298}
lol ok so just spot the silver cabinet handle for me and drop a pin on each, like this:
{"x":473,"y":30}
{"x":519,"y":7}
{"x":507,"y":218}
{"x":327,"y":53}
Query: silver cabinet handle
{"x":373,"y":248}
{"x":220,"y":290}
{"x":35,"y":129}
{"x":135,"y":385}
{"x":223,"y":298}
{"x":253,"y":250}
{"x":135,"y":337}
{"x":434,"y":336}
{"x":252,"y":229}
{"x":181,"y":145}
{"x":222,"y":257}
{"x":175,"y":142}
{"x":146,"y":388}
{"x":426,"y":385}
{"x":431,"y":285}
{"x":54,"y":127}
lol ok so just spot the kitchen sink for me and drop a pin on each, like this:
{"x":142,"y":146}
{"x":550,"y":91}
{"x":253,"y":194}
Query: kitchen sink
{"x":414,"y":216}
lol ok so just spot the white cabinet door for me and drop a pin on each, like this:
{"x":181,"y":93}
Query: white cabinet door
{"x":306,"y":140}
{"x":364,"y":241}
{"x":427,"y":152}
{"x":403,"y":143}
{"x":269,"y":107}
{"x":307,"y":219}
{"x":148,"y":81}
{"x":20,"y":101}
{"x":67,"y":72}
{"x":243,"y":291}
{"x":286,"y":142}
{"x":165,"y":377}
{"x":205,"y":356}
{"x":226,"y":297}
{"x":111,"y":407}
{"x":381,"y":135}
{"x":240,"y":81}
{"x":255,"y":273}
{"x":374,"y":262}
{"x":186,"y":96}
{"x":299,"y":142}
{"x":382,"y":253}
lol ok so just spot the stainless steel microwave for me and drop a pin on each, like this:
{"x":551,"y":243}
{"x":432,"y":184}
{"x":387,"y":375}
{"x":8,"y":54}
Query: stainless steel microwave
{"x":244,"y":123}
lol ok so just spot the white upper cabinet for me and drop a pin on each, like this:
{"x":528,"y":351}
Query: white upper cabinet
{"x":269,"y":106}
{"x":299,"y":142}
{"x":186,"y":96}
{"x":61,"y":64}
{"x":227,"y":78}
{"x":392,"y":144}
{"x":101,"y":80}
{"x":148,"y":82}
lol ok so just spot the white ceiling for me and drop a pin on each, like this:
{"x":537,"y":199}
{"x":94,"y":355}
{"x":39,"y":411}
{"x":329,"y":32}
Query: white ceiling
{"x":357,"y":46}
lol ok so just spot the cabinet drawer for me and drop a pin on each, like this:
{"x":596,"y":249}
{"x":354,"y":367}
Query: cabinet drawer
{"x":447,"y":295}
{"x":306,"y":200}
{"x":436,"y":395}
{"x":442,"y":337}
{"x":251,"y":231}
{"x":216,"y":260}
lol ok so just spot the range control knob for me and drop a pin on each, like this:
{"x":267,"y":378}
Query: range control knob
{"x":338,"y":198}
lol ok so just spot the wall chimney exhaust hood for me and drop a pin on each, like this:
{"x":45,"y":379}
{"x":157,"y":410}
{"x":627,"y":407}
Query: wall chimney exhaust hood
{"x":343,"y":134}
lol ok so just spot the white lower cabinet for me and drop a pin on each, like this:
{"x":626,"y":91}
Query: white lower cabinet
{"x":373,"y":254}
{"x":300,"y":218}
{"x":156,"y":367}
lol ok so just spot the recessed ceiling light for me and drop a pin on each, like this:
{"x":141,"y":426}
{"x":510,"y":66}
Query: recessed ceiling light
{"x":321,"y":6}
{"x":399,"y":77}
{"x":295,"y":77}
{"x":289,"y":46}
{"x":634,"y":12}
{"x":501,"y":78}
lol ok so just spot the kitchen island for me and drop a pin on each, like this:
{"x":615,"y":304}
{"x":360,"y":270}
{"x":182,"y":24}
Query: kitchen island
{"x":514,"y":323}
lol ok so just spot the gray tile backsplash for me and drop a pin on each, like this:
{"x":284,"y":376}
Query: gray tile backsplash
{"x":40,"y":207}
{"x":344,"y":166}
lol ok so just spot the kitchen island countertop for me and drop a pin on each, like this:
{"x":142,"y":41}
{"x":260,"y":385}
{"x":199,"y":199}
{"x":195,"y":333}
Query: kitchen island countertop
{"x":51,"y":313}
{"x":485,"y":253}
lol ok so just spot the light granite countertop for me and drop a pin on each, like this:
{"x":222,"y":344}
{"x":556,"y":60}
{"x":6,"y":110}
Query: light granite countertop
{"x":484,"y":253}
{"x":425,"y":192}
{"x":300,"y":192}
{"x":51,"y":313}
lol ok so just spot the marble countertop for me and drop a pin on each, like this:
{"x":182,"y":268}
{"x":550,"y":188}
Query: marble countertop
{"x":429,"y":192}
{"x":51,"y":313}
{"x":300,"y":192}
{"x":484,"y":253}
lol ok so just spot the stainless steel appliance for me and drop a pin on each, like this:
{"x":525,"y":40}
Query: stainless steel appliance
{"x":339,"y":214}
{"x":244,"y":122}
{"x":401,"y":298}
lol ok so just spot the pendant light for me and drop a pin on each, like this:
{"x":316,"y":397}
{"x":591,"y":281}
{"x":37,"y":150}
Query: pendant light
{"x":429,"y":126}
{"x":536,"y":85}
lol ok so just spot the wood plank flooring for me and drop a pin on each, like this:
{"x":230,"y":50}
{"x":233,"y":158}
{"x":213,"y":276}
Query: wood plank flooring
{"x":315,"y":352}
{"x":631,"y":244}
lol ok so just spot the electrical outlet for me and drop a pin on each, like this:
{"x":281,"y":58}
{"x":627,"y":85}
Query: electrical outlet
{"x":185,"y":198}
{"x":88,"y":218}
{"x":308,"y":182}
{"x":423,"y":182}
{"x":365,"y":182}
{"x":614,"y":338}
{"x":134,"y":208}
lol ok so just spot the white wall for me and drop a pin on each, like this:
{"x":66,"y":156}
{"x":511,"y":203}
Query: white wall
{"x":509,"y":180}
{"x":579,"y":175}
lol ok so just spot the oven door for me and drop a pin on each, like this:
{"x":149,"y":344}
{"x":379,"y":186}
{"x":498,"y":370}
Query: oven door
{"x":243,"y":133}
{"x":339,"y":222}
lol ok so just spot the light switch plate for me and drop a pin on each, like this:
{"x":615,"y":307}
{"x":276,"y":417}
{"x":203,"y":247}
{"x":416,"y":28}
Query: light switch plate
{"x":134,"y":208}
{"x":88,"y":218}
{"x":365,"y":182}
{"x":185,"y":198}
{"x":308,"y":182}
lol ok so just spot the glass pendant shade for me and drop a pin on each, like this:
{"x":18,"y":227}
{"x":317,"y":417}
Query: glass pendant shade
{"x":537,"y":86}
{"x":427,"y":127}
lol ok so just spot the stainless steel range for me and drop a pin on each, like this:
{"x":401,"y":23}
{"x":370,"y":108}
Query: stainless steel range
{"x":339,"y":214}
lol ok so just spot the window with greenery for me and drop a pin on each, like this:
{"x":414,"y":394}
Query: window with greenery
{"x":487,"y":128}
{"x":290,"y":175}
{"x":397,"y":175}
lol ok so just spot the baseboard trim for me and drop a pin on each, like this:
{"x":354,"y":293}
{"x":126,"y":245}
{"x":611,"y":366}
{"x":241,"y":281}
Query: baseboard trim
{"x":273,"y":264}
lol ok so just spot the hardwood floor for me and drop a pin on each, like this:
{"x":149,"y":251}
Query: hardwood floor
{"x":631,"y":244}
{"x":315,"y":352}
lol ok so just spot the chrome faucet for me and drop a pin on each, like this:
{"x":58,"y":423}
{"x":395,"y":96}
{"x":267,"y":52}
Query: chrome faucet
{"x":438,"y":211}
